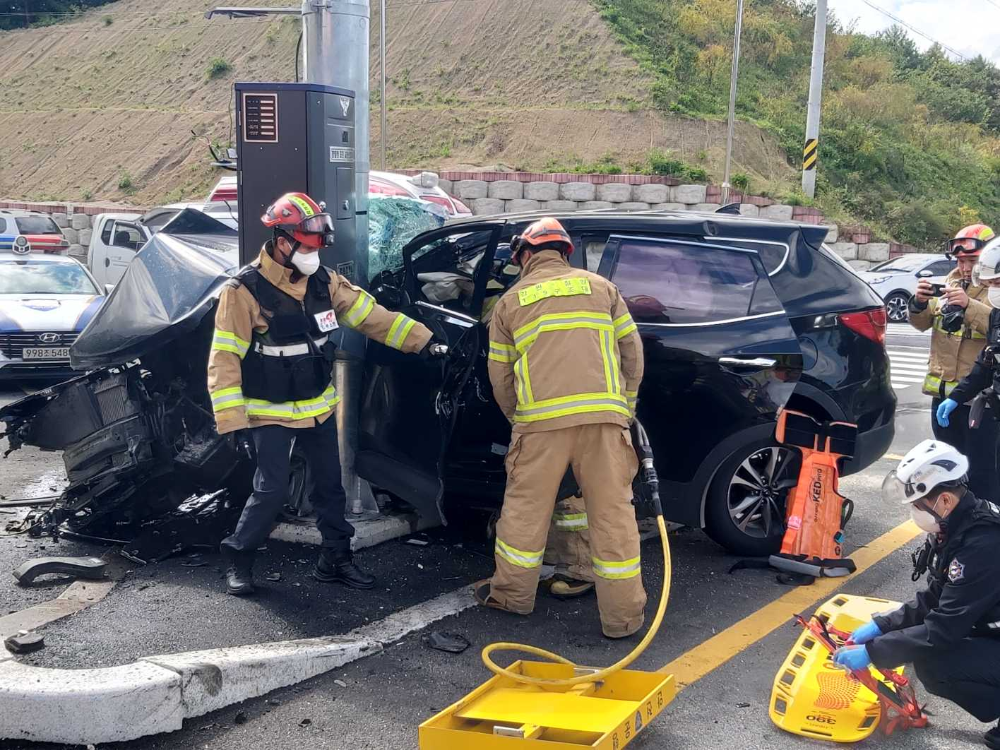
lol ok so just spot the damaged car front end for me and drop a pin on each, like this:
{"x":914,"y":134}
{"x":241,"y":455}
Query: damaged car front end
{"x":136,"y":431}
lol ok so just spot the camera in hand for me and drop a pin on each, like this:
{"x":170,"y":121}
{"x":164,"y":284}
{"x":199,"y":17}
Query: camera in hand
{"x":938,"y":290}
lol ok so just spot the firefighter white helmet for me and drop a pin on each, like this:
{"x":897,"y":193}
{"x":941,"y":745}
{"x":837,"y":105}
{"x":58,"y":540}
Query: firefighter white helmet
{"x":988,"y":267}
{"x":926,"y":467}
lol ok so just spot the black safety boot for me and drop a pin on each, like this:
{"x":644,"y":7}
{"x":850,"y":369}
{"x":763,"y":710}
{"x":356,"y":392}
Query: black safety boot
{"x":992,"y":737}
{"x":239,"y":573}
{"x":339,"y":567}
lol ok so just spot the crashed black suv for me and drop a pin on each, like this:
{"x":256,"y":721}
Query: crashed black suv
{"x":738,"y":316}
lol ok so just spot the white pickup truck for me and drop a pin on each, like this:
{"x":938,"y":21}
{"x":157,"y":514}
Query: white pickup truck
{"x":116,"y":238}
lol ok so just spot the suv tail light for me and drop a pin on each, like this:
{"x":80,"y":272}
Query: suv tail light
{"x":384,"y":187}
{"x":868,"y":323}
{"x":461,"y":207}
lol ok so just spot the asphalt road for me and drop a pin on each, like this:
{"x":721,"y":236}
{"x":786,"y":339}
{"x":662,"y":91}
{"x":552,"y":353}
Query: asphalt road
{"x":378,"y":702}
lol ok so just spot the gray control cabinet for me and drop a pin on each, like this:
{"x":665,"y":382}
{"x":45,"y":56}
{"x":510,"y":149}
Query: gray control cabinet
{"x":298,"y":137}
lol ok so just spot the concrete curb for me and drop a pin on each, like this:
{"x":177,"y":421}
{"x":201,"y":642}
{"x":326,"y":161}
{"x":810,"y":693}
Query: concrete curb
{"x":155,"y":694}
{"x":367,"y":532}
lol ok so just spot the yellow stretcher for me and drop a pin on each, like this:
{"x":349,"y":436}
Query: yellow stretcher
{"x":815,"y":698}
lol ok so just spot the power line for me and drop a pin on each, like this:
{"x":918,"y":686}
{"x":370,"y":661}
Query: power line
{"x":903,"y":23}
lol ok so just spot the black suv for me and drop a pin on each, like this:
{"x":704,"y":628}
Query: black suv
{"x":738,"y":316}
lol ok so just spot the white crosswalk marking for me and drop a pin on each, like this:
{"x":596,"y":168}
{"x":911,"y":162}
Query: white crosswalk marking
{"x":905,"y":329}
{"x":908,"y":366}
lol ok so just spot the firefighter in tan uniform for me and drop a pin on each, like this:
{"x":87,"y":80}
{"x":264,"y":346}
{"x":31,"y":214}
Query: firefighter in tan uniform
{"x":960,"y":320}
{"x":270,"y":370}
{"x":565,"y":362}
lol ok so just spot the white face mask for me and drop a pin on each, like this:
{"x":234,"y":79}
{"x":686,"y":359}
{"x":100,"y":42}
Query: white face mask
{"x":925,"y":521}
{"x":306,"y":263}
{"x":993,"y":295}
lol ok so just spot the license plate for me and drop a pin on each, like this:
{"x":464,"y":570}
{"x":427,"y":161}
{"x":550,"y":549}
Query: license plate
{"x":61,"y":352}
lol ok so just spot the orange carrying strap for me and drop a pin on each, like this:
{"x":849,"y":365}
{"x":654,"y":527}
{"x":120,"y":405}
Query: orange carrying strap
{"x":817,"y":512}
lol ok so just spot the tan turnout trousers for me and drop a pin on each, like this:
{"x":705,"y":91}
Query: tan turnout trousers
{"x":604,"y":463}
{"x":568,"y":544}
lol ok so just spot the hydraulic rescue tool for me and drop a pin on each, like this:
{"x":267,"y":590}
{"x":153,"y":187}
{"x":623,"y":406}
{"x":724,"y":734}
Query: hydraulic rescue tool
{"x":558,"y":704}
{"x":816,"y":698}
{"x":817,"y":513}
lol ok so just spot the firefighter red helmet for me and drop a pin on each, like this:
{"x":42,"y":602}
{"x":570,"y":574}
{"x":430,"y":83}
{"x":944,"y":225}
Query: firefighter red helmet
{"x":542,"y":232}
{"x":300,"y":217}
{"x":970,"y":241}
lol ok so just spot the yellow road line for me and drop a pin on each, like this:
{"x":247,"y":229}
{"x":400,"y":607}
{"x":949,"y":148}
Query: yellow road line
{"x":720,"y":648}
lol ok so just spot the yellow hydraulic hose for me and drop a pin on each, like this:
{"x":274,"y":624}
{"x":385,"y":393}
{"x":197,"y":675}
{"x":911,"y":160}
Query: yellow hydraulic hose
{"x":600,"y":675}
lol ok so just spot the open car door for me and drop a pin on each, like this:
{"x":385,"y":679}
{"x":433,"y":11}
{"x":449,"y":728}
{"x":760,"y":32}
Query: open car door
{"x":409,"y":404}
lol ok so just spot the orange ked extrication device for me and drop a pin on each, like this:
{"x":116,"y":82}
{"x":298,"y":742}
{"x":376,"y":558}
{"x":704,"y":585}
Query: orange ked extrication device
{"x":817,"y":512}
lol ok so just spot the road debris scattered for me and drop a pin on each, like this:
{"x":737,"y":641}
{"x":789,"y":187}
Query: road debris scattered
{"x":24,"y":642}
{"x":92,"y":568}
{"x":451,"y":643}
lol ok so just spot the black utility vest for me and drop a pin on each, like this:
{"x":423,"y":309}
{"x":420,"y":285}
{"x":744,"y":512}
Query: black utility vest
{"x":993,"y":347}
{"x":939,"y":556}
{"x":293,"y":359}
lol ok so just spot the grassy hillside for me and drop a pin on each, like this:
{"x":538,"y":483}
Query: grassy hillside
{"x":909,"y":141}
{"x":101,"y":106}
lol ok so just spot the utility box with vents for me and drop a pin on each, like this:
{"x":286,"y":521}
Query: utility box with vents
{"x":298,"y":137}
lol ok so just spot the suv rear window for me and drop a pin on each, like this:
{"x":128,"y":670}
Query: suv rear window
{"x":36,"y":225}
{"x":666,"y":283}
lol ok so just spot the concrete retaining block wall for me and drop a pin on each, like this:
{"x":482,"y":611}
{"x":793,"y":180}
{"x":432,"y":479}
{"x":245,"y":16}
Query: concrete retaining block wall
{"x":634,"y":206}
{"x":595,"y":205}
{"x":874,"y":251}
{"x":541,"y":191}
{"x":471,"y":189}
{"x":777,"y":213}
{"x":487,"y":206}
{"x":79,"y":221}
{"x":578,"y":191}
{"x":521,"y":204}
{"x":651,"y":193}
{"x":560,"y":205}
{"x":83,"y":236}
{"x":689,"y":194}
{"x":846,"y":250}
{"x":749,"y":209}
{"x":506,"y":190}
{"x":709,"y":208}
{"x":615,"y":193}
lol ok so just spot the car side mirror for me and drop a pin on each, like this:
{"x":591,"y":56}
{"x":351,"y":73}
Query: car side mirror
{"x":925,"y":274}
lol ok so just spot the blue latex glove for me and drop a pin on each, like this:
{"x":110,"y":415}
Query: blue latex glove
{"x":852,"y":657}
{"x":867,"y":632}
{"x":944,"y":409}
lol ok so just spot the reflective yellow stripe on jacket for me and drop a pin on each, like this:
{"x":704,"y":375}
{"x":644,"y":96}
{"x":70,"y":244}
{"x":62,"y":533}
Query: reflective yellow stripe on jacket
{"x":226,"y":341}
{"x":932,"y":383}
{"x":973,"y":334}
{"x":400,"y":329}
{"x":360,"y":310}
{"x":304,"y":409}
{"x":227,"y":398}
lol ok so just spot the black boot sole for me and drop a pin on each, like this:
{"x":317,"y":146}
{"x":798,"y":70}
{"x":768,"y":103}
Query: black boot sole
{"x":241,"y":591}
{"x":333,"y":578}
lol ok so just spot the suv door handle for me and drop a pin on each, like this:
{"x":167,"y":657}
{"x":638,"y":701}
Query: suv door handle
{"x":760,"y":363}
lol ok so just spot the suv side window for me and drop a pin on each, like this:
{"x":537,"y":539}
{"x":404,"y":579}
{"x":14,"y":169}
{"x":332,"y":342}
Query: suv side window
{"x":665,"y":282}
{"x":941,"y":267}
{"x":3,"y":225}
{"x":772,"y":254}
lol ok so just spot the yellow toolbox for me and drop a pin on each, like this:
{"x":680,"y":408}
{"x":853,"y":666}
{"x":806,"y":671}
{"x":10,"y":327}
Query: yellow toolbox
{"x":503,"y":714}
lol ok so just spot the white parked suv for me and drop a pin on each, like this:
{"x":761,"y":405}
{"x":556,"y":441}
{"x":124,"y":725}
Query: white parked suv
{"x":896,"y":280}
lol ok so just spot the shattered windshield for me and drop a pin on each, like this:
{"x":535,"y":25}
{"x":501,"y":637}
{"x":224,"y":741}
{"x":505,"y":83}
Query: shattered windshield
{"x":392,"y":222}
{"x":32,"y":277}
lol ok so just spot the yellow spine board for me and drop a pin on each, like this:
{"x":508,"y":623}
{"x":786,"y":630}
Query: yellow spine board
{"x":813,"y":698}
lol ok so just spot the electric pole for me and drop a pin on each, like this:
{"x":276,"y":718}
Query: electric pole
{"x":810,"y":150}
{"x":733,"y":77}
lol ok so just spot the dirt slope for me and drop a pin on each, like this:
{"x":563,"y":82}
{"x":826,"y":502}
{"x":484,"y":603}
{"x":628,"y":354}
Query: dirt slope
{"x":102,"y":107}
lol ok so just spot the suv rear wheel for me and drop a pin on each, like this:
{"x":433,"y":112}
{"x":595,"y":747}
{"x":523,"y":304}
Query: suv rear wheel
{"x":745,"y":507}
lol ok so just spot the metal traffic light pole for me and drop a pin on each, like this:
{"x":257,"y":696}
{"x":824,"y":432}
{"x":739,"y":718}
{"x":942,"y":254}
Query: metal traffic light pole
{"x":731,"y":123}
